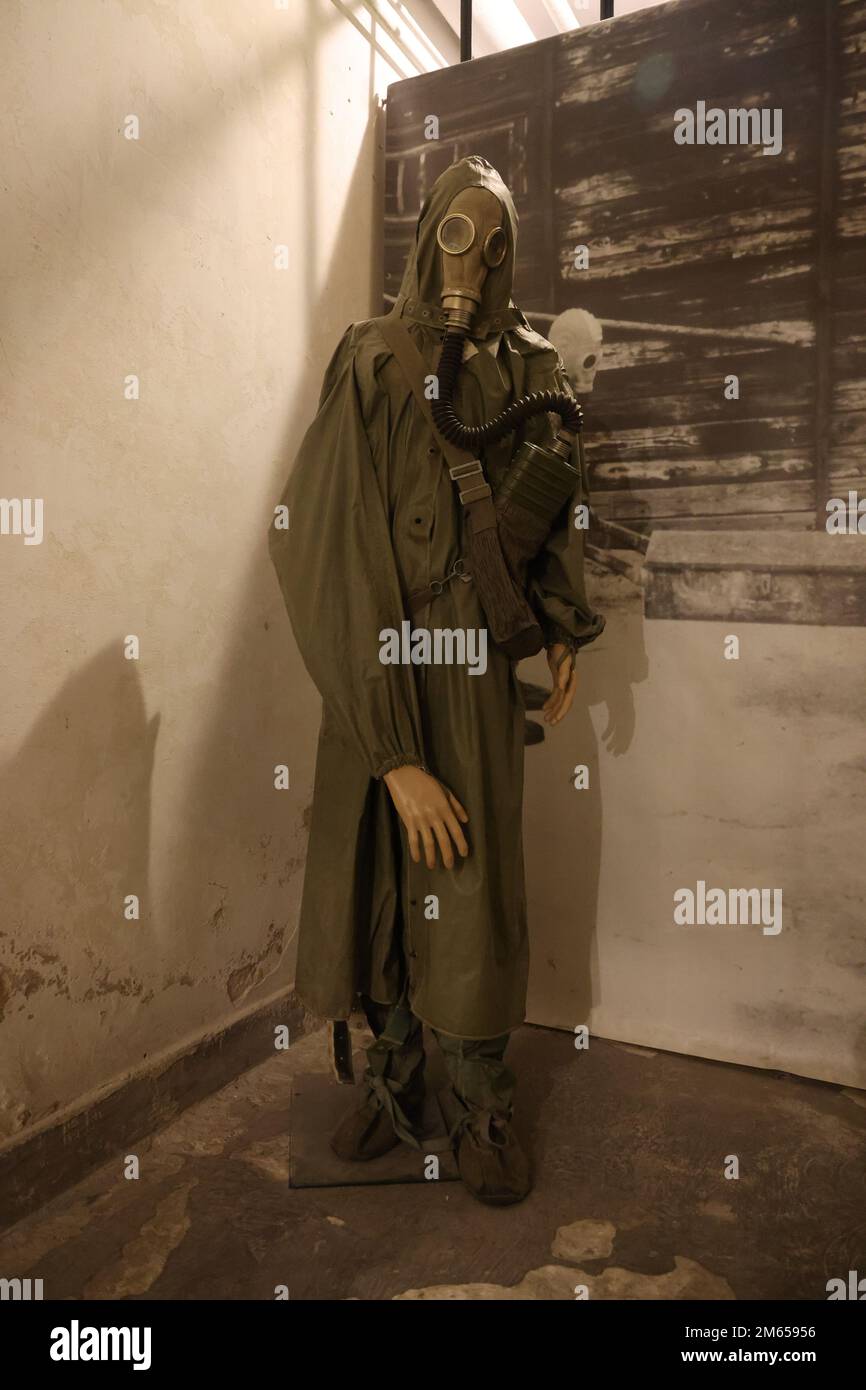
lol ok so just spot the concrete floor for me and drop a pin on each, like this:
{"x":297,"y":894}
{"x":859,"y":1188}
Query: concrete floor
{"x":631,"y":1200}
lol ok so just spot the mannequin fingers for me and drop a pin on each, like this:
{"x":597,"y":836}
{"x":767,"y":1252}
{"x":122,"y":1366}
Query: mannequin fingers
{"x":453,"y":827}
{"x":414,"y":846}
{"x":551,"y":706}
{"x":561,"y":701}
{"x":456,"y":807}
{"x":567,"y":699}
{"x":443,"y":840}
{"x":429,"y":846}
{"x":562,"y":708}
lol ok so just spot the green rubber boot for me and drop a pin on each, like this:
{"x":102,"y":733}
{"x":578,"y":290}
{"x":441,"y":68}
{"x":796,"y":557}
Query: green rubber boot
{"x":392,"y":1103}
{"x":490,"y":1159}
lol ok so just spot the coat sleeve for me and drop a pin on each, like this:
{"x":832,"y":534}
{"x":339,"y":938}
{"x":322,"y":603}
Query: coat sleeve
{"x":556,"y":587}
{"x":336,"y":569}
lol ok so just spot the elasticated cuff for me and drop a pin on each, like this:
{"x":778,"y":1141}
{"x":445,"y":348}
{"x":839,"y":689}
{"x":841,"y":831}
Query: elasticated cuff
{"x":400,"y":760}
{"x":554,"y":633}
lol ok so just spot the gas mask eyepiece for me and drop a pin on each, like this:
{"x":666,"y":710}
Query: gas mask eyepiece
{"x":455,"y":233}
{"x":495,"y":247}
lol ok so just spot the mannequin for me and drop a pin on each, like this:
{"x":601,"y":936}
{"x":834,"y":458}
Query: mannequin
{"x":414,"y":900}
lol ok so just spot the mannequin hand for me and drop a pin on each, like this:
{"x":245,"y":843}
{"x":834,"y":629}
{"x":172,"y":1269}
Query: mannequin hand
{"x":564,"y":683}
{"x":430,"y":814}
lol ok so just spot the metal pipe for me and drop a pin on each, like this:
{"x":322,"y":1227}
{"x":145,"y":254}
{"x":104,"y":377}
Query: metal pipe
{"x":824,"y":299}
{"x":465,"y":30}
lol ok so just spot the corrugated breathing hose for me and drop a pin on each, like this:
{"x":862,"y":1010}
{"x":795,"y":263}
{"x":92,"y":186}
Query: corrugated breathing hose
{"x":473,"y":437}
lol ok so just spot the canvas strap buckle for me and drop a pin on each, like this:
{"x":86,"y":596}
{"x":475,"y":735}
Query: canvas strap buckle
{"x":461,"y":473}
{"x":420,"y":599}
{"x":457,"y":571}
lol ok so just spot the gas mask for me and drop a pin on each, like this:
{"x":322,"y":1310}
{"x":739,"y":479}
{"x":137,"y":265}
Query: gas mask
{"x":577,"y":336}
{"x":472,"y":239}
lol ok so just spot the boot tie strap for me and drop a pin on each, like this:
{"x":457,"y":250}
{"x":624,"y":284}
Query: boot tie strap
{"x":480,"y":1124}
{"x":385,"y":1091}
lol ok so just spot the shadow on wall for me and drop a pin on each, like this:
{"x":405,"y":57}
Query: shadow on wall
{"x":85,"y":819}
{"x":564,"y":807}
{"x":79,"y":818}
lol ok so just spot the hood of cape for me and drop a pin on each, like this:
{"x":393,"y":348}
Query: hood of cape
{"x":422,"y":278}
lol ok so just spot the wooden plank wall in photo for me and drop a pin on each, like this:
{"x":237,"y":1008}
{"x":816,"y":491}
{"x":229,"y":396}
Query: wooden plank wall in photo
{"x":847,"y":279}
{"x":712,"y":247}
{"x":704,"y":261}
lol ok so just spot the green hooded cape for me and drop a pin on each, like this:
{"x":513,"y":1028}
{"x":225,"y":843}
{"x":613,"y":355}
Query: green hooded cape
{"x":375,"y":517}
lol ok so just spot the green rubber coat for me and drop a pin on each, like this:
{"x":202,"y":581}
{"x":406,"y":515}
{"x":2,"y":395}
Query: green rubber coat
{"x":375,"y":517}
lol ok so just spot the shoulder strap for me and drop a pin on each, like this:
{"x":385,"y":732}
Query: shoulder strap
{"x":476,"y":496}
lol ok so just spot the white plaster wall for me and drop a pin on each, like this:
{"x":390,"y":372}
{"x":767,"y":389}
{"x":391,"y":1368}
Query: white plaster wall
{"x":746,"y":773}
{"x":156,"y":257}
